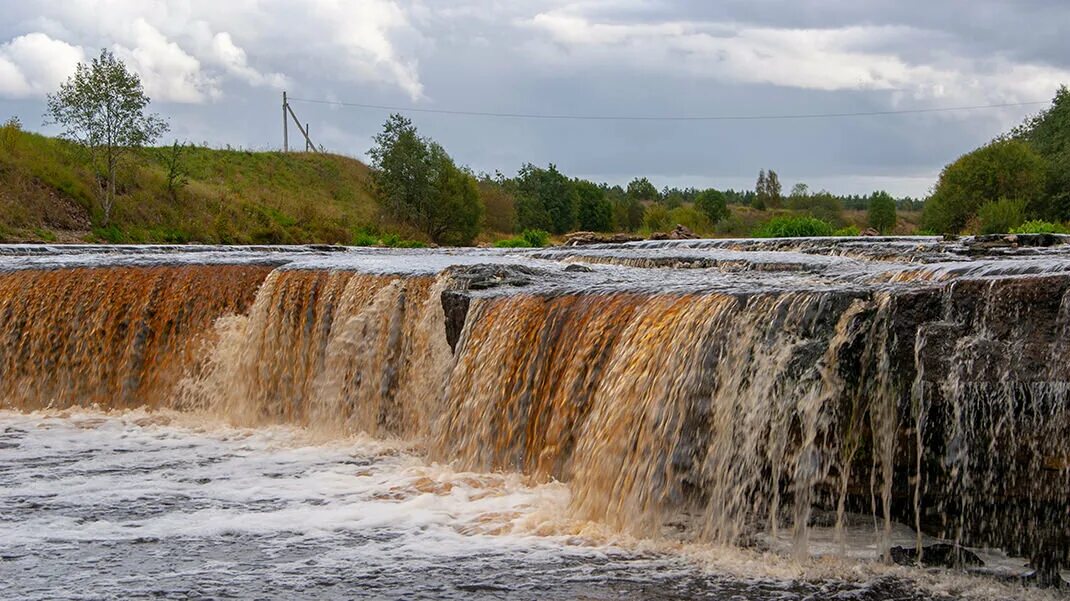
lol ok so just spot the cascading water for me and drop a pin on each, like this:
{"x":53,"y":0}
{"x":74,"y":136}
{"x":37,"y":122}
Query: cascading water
{"x":715,"y":403}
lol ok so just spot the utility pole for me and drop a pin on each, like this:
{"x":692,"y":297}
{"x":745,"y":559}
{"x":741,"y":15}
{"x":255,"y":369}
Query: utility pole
{"x":287,"y":114}
{"x":285,"y":124}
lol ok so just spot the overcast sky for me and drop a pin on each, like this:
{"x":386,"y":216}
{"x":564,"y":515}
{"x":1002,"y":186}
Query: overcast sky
{"x":216,"y":69}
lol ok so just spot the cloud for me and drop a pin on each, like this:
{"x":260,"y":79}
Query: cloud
{"x":34,"y":64}
{"x":856,"y":57}
{"x":188,"y":52}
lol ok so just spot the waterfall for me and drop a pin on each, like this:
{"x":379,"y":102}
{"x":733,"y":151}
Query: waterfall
{"x":729,"y":416}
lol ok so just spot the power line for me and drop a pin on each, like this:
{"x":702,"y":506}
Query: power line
{"x":567,"y":117}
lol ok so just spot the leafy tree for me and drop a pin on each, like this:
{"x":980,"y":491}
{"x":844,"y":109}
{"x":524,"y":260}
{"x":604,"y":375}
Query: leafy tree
{"x":546,"y":200}
{"x":594,"y":209}
{"x":761,"y":192}
{"x":102,"y":109}
{"x":641,"y":189}
{"x":456,"y":209}
{"x":712,"y":203}
{"x":772,"y":189}
{"x":823,"y":205}
{"x":418,"y":183}
{"x":1002,"y":169}
{"x":800,"y":189}
{"x":882,"y":212}
{"x":1049,"y":134}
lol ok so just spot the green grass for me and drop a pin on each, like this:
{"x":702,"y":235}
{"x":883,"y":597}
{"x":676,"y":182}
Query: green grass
{"x":47,"y":193}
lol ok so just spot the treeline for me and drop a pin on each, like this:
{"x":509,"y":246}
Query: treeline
{"x":1019,"y":182}
{"x":419,"y":184}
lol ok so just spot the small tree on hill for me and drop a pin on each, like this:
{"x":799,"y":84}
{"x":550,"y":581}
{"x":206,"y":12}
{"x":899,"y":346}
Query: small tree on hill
{"x":418,"y":183}
{"x":102,"y":108}
{"x":882,"y":212}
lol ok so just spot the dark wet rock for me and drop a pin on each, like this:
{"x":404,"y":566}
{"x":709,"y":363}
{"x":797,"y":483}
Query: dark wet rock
{"x":981,"y":244}
{"x":463,"y":279}
{"x":585,"y":238}
{"x":939,"y":555}
{"x":482,"y":277}
{"x":334,"y":248}
{"x":455,"y":307}
{"x":576,"y":267}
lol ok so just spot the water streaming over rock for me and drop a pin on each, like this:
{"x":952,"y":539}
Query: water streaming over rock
{"x":698,"y":409}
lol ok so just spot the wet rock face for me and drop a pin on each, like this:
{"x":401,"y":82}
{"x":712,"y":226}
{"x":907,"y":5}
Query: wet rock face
{"x":457,"y":299}
{"x":940,"y":555}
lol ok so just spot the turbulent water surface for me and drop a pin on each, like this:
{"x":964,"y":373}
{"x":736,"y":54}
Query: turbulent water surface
{"x":98,"y":506}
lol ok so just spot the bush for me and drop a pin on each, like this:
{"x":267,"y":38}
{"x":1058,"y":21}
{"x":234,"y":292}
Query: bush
{"x":363,"y":238}
{"x":691,"y":218}
{"x":657,"y":218}
{"x":528,"y":239}
{"x":1040,"y":227}
{"x":1002,"y":216}
{"x":793,"y":227}
{"x":396,"y":241}
{"x":1002,"y":169}
{"x":712,"y":203}
{"x":850,"y":230}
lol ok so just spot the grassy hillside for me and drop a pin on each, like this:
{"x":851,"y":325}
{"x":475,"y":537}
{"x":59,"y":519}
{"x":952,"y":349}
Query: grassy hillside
{"x":48,"y":194}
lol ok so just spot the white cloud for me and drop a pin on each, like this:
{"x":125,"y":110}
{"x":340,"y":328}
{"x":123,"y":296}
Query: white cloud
{"x":820,"y":59}
{"x":168,"y":72}
{"x":34,"y":64}
{"x":189,"y":51}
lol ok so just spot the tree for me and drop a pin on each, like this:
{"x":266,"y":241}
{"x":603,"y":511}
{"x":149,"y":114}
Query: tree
{"x":761,"y":192}
{"x":102,"y":108}
{"x":546,"y":200}
{"x":712,"y":204}
{"x":799,"y":190}
{"x":772,"y":190}
{"x":418,"y":183}
{"x":882,"y":212}
{"x":177,"y":170}
{"x":1006,"y":168}
{"x":594,"y":209}
{"x":1048,"y":133}
{"x":641,"y":189}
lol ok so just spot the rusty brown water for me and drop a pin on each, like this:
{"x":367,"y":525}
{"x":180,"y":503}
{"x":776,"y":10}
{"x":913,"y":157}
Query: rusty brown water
{"x":733,"y":417}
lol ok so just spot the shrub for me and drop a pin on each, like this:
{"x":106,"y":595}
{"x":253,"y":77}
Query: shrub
{"x":528,"y":239}
{"x":1002,"y":216}
{"x":1040,"y":227}
{"x":793,"y":227}
{"x":396,"y":241}
{"x":850,"y":230}
{"x":657,"y":218}
{"x":363,"y":238}
{"x":691,"y":218}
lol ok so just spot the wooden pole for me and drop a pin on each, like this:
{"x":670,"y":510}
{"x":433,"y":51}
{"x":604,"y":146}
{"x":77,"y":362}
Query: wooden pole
{"x":308,"y":141}
{"x":285,"y":124}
